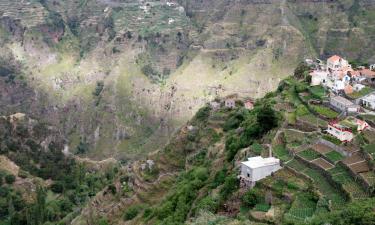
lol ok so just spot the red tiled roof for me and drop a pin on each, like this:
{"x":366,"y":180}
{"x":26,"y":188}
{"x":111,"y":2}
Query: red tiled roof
{"x":334,"y":58}
{"x":367,"y":73}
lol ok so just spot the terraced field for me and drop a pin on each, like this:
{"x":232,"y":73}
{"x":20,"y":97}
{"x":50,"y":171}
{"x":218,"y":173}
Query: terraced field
{"x":337,"y":198}
{"x":342,"y":177}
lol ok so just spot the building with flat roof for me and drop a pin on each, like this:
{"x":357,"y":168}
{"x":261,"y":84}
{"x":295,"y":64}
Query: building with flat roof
{"x":257,"y":168}
{"x":344,"y":105}
{"x":368,"y":101}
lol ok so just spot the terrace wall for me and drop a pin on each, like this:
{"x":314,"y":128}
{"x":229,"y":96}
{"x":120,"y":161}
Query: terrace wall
{"x":325,"y":174}
{"x":334,"y":147}
{"x":357,"y":178}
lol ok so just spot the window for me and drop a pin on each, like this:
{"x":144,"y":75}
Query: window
{"x":248,"y":175}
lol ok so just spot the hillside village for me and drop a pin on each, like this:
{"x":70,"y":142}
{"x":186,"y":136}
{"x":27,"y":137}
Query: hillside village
{"x":328,"y":138}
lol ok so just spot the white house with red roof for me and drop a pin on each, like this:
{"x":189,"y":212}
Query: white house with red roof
{"x":336,"y":63}
{"x":341,"y":132}
{"x":362,"y":125}
{"x":249,"y":104}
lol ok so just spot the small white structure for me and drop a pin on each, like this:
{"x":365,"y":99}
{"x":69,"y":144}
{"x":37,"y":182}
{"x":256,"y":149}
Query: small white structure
{"x":368,"y":101}
{"x":336,"y":63}
{"x":249,"y":105}
{"x":215,"y":105}
{"x":318,"y":77}
{"x":230,"y":101}
{"x":257,"y":168}
{"x":342,"y":133}
{"x":372,"y":67}
{"x":338,"y":86}
{"x":170,"y":21}
{"x":362,"y":125}
{"x":344,"y":105}
{"x":358,"y":87}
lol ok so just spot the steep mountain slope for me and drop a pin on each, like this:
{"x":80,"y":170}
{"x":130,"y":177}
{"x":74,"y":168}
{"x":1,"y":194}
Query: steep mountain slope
{"x":122,"y":75}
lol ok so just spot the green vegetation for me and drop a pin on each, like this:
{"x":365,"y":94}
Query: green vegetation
{"x":255,"y":124}
{"x":318,"y":92}
{"x":334,"y":156}
{"x":325,"y":111}
{"x":309,"y":154}
{"x":281,"y":152}
{"x":332,"y":139}
{"x":303,"y":207}
{"x":72,"y":181}
{"x":359,"y":94}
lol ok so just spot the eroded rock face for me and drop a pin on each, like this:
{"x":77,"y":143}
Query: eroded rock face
{"x":123,"y":74}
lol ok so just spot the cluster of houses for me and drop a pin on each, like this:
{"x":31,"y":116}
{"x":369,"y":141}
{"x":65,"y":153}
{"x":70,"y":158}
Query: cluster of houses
{"x":341,"y":80}
{"x":338,"y":76}
{"x":230,"y":102}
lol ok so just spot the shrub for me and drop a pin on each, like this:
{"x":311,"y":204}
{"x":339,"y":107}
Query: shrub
{"x":57,"y":187}
{"x":131,"y":212}
{"x":249,"y":199}
{"x":203,"y":113}
{"x":230,"y":185}
{"x":301,"y":70}
{"x":10,"y":178}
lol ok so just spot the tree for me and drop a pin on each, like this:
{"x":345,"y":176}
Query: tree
{"x":301,"y":71}
{"x":10,"y":178}
{"x":249,"y":199}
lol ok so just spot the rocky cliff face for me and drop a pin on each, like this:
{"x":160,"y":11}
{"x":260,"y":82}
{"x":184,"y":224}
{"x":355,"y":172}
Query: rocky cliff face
{"x":122,"y":75}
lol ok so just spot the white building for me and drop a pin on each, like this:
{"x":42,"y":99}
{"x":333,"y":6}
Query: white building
{"x":342,"y":133}
{"x":318,"y":77}
{"x":257,"y":168}
{"x":358,"y":87}
{"x":368,"y":101}
{"x":338,"y":86}
{"x":362,"y":125}
{"x":344,"y":105}
{"x":230,"y":101}
{"x":372,"y":67}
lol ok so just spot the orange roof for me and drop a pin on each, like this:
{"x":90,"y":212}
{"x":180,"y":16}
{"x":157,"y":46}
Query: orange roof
{"x":367,"y":73}
{"x":348,"y":89}
{"x":334,"y":58}
{"x":355,"y":73}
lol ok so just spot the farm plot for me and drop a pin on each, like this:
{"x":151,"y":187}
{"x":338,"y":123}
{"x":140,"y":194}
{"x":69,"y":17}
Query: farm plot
{"x":309,"y":154}
{"x":370,"y":149}
{"x":303,"y":207}
{"x":334,"y":156}
{"x":369,"y":135}
{"x":337,"y":198}
{"x":369,"y":177}
{"x":355,"y":158}
{"x":281,"y":152}
{"x":360,"y":167}
{"x":342,"y":177}
{"x":322,"y":163}
{"x":313,"y":120}
{"x":322,"y":149}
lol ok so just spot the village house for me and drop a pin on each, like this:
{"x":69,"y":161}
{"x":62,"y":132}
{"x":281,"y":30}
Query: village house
{"x":368,"y":101}
{"x":372,"y":67}
{"x":257,"y":168}
{"x":215,"y":105}
{"x":318,"y":77}
{"x":341,"y":132}
{"x":344,"y":105}
{"x":358,"y":87}
{"x":336,"y":63}
{"x":369,"y":75}
{"x":362,"y":125}
{"x":249,"y":105}
{"x":230,"y":101}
